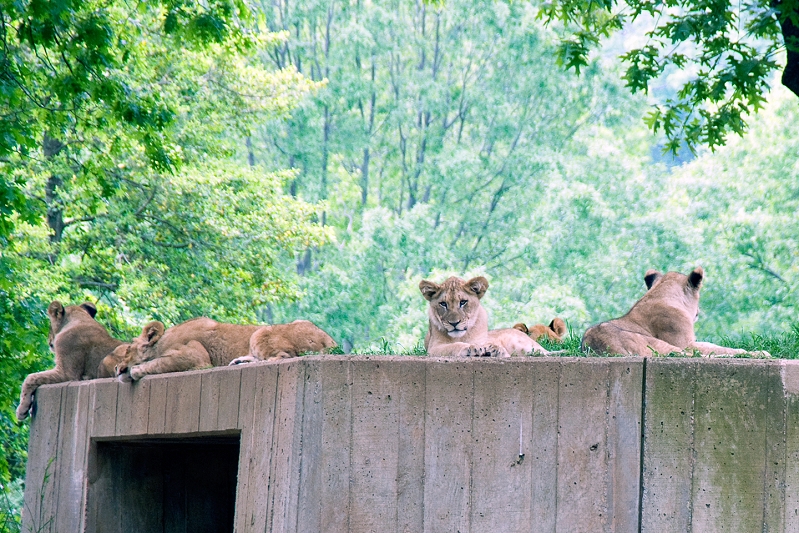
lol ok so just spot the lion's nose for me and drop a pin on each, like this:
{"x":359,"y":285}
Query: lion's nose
{"x":455,"y":324}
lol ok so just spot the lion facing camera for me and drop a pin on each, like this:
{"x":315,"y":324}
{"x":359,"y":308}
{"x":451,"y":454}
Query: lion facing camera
{"x":458,"y":323}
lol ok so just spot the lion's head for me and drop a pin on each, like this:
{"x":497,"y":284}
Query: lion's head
{"x":59,"y":316}
{"x":138,"y":350}
{"x":454,"y":304}
{"x":676,"y":289}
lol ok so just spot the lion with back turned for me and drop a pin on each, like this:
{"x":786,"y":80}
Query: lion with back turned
{"x":82,"y":348}
{"x":458,"y":323}
{"x":662,"y":321}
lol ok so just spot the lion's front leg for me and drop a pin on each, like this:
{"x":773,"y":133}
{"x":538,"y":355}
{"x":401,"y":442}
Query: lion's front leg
{"x":487,"y":350}
{"x":452,"y":349}
{"x":708,"y":349}
{"x":32,"y":382}
{"x":191,"y":356}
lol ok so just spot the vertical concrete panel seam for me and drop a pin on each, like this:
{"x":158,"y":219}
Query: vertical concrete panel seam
{"x":471,"y":454}
{"x":54,"y":478}
{"x":238,"y":408}
{"x":349,"y":445}
{"x":57,"y":479}
{"x":424,"y":441}
{"x":693,"y":446}
{"x":643,"y":443}
{"x":784,"y":401}
{"x":764,"y":527}
{"x":785,"y":407}
{"x":116,"y":412}
{"x":400,"y":397}
{"x":424,"y":437}
{"x":608,"y":474}
{"x":300,"y":401}
{"x":270,"y":478}
{"x":557,"y":440}
{"x":772,"y":397}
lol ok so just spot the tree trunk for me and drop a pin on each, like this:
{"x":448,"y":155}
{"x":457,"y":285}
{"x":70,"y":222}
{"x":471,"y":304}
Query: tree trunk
{"x":790,"y":35}
{"x":250,"y":154}
{"x":365,"y":177}
{"x":55,"y":212}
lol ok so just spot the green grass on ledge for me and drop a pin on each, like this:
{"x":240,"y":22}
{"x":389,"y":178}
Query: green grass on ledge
{"x":783,"y":345}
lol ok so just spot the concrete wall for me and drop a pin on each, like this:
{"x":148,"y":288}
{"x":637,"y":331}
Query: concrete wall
{"x":409,"y":444}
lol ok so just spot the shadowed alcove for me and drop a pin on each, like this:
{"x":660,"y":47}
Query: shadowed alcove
{"x":163,"y":485}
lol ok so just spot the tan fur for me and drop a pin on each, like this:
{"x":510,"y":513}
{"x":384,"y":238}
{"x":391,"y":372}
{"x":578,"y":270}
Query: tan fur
{"x":197,"y":343}
{"x":286,"y":340}
{"x":80,"y":344}
{"x":458,"y":323}
{"x":554,"y":331}
{"x":662,"y":321}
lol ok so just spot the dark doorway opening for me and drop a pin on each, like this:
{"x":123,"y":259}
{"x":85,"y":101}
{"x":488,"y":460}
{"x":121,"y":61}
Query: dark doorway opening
{"x":165,"y":485}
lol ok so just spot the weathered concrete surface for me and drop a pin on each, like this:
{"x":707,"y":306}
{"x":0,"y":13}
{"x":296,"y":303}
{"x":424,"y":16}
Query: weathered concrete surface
{"x":407,"y":444}
{"x":720,"y":446}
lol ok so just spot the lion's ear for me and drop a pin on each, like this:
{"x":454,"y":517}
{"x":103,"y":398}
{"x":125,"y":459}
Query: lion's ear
{"x":478,"y":286}
{"x":89,"y":308}
{"x":651,"y":277}
{"x":521,"y":327}
{"x":429,"y":289}
{"x":558,"y":326}
{"x":695,"y":278}
{"x":55,"y":311}
{"x":152,"y":332}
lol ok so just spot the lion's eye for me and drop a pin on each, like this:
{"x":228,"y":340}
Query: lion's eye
{"x":463,"y":303}
{"x":443,"y":304}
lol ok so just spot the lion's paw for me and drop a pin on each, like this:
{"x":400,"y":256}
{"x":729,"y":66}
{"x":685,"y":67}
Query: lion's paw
{"x":242,"y":360}
{"x":492,"y":350}
{"x":136,"y":373}
{"x":486,"y":350}
{"x":23,"y":410}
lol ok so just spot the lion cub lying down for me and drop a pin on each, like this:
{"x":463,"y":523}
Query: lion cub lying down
{"x":286,"y":340}
{"x":202,"y":342}
{"x":197,"y":343}
{"x":554,"y":331}
{"x":458,"y":323}
{"x":661,"y":321}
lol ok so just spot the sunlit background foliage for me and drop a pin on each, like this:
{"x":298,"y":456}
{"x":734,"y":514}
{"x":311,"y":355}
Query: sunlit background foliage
{"x":318,"y":159}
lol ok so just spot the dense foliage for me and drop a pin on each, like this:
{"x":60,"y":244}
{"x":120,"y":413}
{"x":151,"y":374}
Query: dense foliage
{"x":729,"y":51}
{"x":447,"y":140}
{"x":317,"y":160}
{"x":120,"y":181}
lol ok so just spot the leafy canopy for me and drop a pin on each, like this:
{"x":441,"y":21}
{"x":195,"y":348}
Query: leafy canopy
{"x":120,"y":125}
{"x":729,"y":49}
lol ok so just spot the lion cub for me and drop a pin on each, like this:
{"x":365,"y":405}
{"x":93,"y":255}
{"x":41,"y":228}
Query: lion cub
{"x":80,"y":344}
{"x":458,"y":323}
{"x":554,"y":331}
{"x":197,"y":343}
{"x":661,"y":321}
{"x":286,"y":340}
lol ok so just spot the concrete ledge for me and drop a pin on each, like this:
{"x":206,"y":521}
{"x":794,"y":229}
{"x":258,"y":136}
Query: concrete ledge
{"x":383,"y":443}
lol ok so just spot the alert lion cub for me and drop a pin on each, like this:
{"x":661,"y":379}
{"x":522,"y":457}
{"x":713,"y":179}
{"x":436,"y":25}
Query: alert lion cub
{"x":197,"y":343}
{"x":458,"y":323}
{"x":661,"y":321}
{"x":80,"y":344}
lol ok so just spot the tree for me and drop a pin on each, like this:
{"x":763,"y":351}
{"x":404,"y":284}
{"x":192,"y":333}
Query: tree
{"x":729,"y":48}
{"x":121,"y":129}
